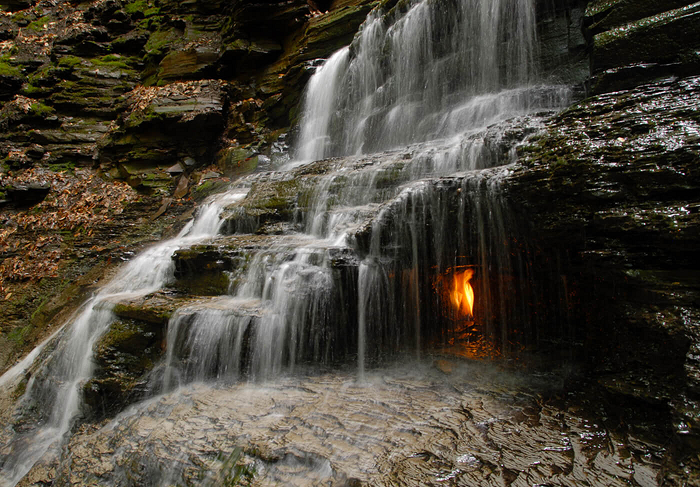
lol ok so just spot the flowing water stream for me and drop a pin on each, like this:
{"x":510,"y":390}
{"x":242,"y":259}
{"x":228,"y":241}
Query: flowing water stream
{"x":395,"y":192}
{"x":53,"y":396}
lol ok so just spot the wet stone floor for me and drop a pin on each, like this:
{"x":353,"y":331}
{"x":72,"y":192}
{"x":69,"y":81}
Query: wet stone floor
{"x":454,"y":424}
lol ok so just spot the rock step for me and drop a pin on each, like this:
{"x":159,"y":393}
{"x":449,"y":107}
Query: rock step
{"x":156,"y":308}
{"x":215,"y":267}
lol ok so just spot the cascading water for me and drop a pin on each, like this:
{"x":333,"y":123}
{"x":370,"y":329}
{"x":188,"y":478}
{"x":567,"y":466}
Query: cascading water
{"x":53,"y":395}
{"x":426,"y":70}
{"x":353,"y":274}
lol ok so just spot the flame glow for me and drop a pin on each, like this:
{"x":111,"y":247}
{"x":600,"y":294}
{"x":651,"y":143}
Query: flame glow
{"x":462,"y":294}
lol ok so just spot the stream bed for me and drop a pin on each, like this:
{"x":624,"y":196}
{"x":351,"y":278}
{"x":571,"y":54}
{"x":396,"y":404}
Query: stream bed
{"x":439,"y":422}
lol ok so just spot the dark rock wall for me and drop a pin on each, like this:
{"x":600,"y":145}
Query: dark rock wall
{"x":634,"y":42}
{"x":611,"y":187}
{"x":89,"y":61}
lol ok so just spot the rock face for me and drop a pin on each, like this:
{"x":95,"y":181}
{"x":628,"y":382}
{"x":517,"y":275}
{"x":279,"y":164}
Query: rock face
{"x":85,"y":63}
{"x":634,"y":42}
{"x":617,"y":199}
{"x":610,"y":187}
{"x":166,"y":96}
{"x":178,"y":98}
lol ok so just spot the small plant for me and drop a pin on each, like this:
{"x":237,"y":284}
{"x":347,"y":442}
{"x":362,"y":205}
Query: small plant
{"x":40,"y":110}
{"x":18,"y":335}
{"x":231,"y":473}
{"x":39,"y":24}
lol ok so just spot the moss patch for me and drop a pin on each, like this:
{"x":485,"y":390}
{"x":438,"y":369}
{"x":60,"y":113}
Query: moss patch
{"x":39,"y":24}
{"x":40,"y":110}
{"x":8,"y":68}
{"x":208,"y":188}
{"x":141,"y":7}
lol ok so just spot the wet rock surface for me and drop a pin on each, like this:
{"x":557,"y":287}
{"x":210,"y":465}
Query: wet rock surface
{"x":475,"y":426}
{"x":636,"y":42}
{"x":627,"y":224}
{"x":609,"y":189}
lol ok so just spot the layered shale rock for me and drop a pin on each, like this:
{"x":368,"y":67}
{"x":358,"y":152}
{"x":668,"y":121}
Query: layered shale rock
{"x":635,"y":42}
{"x":611,"y":187}
{"x":80,"y":69}
{"x":179,"y":98}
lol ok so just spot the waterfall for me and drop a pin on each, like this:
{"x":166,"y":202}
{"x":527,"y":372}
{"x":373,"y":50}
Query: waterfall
{"x":53,"y":395}
{"x":434,"y":85}
{"x":425,"y":70}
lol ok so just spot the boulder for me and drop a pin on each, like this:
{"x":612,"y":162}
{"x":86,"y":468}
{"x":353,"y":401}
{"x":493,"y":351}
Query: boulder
{"x":123,"y":356}
{"x":28,"y":194}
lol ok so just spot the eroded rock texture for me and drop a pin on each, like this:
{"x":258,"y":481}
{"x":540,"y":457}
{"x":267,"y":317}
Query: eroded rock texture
{"x":178,"y":98}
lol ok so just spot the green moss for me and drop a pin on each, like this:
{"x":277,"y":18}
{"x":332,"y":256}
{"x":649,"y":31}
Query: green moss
{"x":208,"y":188}
{"x":20,"y":389}
{"x":160,"y":39}
{"x":37,"y":316}
{"x":42,"y":77}
{"x":38,"y":24}
{"x":62,"y":167}
{"x":31,"y":90}
{"x":23,"y":17}
{"x":205,"y":283}
{"x":144,"y":7}
{"x":236,"y":161}
{"x":153,"y":314}
{"x":69,"y":61}
{"x":278,"y":197}
{"x":112,"y":61}
{"x":7,"y":68}
{"x":127,"y":336}
{"x":18,"y":335}
{"x":136,"y":6}
{"x":40,"y":110}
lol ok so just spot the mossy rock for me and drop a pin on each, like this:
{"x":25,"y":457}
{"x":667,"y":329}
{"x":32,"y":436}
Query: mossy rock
{"x":155,"y":308}
{"x":662,"y":38}
{"x":208,"y":188}
{"x":131,"y":337}
{"x":123,"y":357}
{"x":235,"y":162}
{"x":204,"y":282}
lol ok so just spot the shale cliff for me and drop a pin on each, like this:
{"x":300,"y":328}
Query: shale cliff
{"x":118,"y":117}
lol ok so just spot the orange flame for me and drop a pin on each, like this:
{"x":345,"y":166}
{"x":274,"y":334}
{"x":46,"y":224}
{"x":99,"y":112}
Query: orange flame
{"x":463,"y":293}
